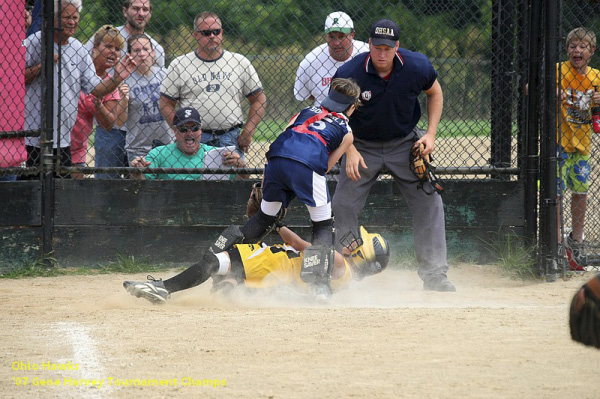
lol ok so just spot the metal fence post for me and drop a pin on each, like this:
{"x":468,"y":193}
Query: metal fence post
{"x":533,"y":115}
{"x":548,"y":196}
{"x":503,"y":69}
{"x":46,"y":139}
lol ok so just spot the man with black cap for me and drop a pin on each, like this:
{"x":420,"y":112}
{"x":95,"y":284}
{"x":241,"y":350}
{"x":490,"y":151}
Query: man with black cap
{"x":297,"y":161}
{"x":186,"y":152}
{"x":391,"y":79}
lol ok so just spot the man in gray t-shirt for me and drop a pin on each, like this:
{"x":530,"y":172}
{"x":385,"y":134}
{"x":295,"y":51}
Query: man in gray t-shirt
{"x":215,"y":82}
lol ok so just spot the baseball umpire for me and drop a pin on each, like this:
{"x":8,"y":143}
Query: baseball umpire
{"x":391,"y":78}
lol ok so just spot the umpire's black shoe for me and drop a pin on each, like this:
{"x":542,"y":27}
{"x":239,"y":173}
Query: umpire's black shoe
{"x":439,"y":283}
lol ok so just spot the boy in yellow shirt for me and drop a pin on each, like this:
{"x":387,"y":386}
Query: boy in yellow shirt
{"x":578,"y":84}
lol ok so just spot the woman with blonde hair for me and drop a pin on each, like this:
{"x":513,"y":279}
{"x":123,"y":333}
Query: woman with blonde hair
{"x":109,"y":111}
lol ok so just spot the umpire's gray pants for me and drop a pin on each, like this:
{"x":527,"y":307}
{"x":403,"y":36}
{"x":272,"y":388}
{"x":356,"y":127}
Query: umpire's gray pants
{"x":429,"y":230}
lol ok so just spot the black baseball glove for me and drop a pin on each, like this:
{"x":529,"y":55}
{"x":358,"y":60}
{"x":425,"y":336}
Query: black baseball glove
{"x":254,"y":201}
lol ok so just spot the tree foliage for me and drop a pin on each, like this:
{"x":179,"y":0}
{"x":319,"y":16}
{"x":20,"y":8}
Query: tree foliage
{"x":275,"y":23}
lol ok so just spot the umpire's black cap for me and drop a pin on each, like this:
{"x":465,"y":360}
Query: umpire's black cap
{"x":384,"y":32}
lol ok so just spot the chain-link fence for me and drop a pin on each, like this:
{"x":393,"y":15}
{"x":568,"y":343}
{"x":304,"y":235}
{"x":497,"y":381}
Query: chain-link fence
{"x":12,"y":150}
{"x":471,"y":43}
{"x":483,"y":51}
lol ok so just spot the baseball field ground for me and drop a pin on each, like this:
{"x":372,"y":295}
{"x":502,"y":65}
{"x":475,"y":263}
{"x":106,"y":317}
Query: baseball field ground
{"x":384,"y":337}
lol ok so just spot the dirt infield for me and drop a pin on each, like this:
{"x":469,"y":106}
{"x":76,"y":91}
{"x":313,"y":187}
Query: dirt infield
{"x":383,"y":338}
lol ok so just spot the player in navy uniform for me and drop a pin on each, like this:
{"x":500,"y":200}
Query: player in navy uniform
{"x":297,"y":161}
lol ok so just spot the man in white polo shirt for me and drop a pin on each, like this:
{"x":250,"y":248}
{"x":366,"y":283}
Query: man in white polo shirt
{"x":318,"y":67}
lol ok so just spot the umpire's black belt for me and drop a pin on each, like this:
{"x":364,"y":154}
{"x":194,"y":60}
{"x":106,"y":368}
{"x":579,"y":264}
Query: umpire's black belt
{"x":220,"y":132}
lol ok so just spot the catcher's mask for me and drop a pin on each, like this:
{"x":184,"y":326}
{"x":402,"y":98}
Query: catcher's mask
{"x":368,"y":254}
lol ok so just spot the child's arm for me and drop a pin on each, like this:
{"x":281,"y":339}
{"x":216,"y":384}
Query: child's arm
{"x":338,"y":152}
{"x":122,"y":109}
{"x":292,"y":239}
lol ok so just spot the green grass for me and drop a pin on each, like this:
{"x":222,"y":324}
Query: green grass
{"x":131,"y":265}
{"x":515,"y":259}
{"x":463,"y":128}
{"x":92,"y":138}
{"x":404,"y":259}
{"x":269,"y":129}
{"x":48,"y":267}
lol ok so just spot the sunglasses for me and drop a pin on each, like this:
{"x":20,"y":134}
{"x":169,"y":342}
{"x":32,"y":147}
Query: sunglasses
{"x":209,"y":32}
{"x":185,"y":129}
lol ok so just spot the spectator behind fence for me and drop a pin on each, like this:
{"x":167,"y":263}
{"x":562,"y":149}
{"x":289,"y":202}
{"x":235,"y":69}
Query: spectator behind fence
{"x":137,"y":15}
{"x":28,"y":14}
{"x":35,"y":22}
{"x":391,"y":79}
{"x":145,"y":123}
{"x":77,"y":75}
{"x":314,"y":74}
{"x":107,"y":111}
{"x":213,"y":81}
{"x":186,"y":152}
{"x":578,"y":93}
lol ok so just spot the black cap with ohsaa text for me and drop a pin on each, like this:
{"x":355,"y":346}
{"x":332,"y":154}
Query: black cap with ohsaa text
{"x":384,"y":32}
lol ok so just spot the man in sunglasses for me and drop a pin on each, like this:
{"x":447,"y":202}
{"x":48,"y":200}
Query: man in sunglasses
{"x":186,"y":152}
{"x":214,"y":81}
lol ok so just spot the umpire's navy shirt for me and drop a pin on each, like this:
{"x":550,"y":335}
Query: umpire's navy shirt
{"x":390,"y":107}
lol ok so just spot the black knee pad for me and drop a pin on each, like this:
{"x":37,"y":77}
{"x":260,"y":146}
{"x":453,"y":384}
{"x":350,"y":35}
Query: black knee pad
{"x":323,"y":233}
{"x":257,"y":227}
{"x":317,"y":265}
{"x":229,"y":237}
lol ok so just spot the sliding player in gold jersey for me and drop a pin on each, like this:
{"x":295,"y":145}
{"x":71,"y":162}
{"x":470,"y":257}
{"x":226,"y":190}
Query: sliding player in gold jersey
{"x":261,"y":266}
